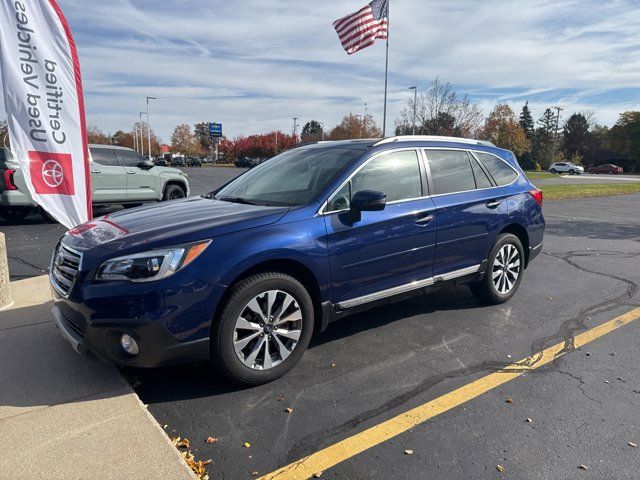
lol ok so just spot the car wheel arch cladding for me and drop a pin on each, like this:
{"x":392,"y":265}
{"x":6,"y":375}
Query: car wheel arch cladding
{"x":176,"y":182}
{"x":521,"y":233}
{"x":294,"y":268}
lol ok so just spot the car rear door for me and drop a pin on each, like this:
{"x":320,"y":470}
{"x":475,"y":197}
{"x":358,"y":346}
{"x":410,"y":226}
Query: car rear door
{"x":108,"y":178}
{"x":142,"y":185}
{"x":383,"y":249}
{"x":469,"y":210}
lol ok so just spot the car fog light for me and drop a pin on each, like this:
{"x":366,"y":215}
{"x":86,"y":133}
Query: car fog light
{"x":129,"y":345}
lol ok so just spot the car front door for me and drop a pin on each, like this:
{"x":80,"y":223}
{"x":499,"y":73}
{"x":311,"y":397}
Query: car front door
{"x":142,"y":184}
{"x":382,"y":249}
{"x":469,"y":209}
{"x":108,"y":177}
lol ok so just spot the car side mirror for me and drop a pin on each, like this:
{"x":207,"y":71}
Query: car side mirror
{"x":367,"y":201}
{"x":146,"y":165}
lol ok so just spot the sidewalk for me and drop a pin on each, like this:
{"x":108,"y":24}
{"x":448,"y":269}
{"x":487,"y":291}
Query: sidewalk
{"x":64,"y":416}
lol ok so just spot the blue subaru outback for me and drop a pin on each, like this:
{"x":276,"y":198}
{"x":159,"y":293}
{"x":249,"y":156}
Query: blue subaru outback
{"x":244,"y":275}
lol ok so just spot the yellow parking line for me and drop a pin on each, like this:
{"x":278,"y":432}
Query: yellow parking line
{"x":358,"y":443}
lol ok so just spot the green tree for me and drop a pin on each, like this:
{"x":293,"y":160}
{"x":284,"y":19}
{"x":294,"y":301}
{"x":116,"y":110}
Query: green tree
{"x":575,"y":136}
{"x":544,"y":137}
{"x":312,"y":131}
{"x":624,"y":137}
{"x":526,"y":121}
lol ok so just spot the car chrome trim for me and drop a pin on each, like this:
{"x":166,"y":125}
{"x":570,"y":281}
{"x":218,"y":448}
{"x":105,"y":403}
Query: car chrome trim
{"x":53,"y":281}
{"x":432,"y":138}
{"x":408,"y":287}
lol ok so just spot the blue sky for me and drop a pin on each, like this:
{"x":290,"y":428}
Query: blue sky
{"x":255,"y":64}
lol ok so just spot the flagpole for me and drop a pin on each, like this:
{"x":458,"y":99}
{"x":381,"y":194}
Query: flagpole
{"x":386,"y":77}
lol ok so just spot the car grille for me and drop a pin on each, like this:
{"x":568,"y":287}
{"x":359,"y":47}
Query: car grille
{"x":65,"y":265}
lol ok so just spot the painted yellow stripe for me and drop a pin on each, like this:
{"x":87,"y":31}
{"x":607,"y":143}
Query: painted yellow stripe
{"x":358,"y":443}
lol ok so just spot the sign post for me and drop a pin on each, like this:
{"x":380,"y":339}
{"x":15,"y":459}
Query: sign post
{"x":215,"y":134}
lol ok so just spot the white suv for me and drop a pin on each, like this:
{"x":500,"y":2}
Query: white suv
{"x":566,"y":167}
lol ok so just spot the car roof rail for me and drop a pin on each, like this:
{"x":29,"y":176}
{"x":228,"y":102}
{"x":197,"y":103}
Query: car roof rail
{"x":433,"y":138}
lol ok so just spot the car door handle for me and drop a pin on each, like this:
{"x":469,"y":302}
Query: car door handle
{"x":96,"y":171}
{"x":493,"y":204}
{"x":424,"y":219}
{"x":130,"y":172}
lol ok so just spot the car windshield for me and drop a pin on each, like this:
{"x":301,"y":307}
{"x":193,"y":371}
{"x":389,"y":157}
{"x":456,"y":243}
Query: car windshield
{"x":290,"y":179}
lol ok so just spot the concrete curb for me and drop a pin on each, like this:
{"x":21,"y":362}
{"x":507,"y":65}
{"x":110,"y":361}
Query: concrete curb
{"x":65,"y":415}
{"x":5,"y":285}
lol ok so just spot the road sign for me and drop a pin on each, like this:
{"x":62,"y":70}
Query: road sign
{"x":215,"y":130}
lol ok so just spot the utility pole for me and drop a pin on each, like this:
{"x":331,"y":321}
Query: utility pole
{"x":295,"y":129}
{"x":366,"y":111}
{"x":359,"y":125}
{"x":555,"y":136}
{"x":149,"y":124}
{"x":135,"y":138}
{"x":415,"y":100}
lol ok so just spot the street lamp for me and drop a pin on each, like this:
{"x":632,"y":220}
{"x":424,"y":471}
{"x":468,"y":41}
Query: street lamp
{"x":149,"y":125}
{"x":415,"y":100}
{"x":322,"y":129}
{"x":295,"y":129}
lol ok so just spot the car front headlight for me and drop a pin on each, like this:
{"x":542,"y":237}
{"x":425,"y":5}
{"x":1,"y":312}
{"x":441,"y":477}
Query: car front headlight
{"x":152,"y":265}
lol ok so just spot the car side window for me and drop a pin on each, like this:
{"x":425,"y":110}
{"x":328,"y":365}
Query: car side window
{"x":130,"y":158}
{"x":482,"y":181}
{"x":502,"y":173}
{"x":104,"y":156}
{"x":396,"y":174}
{"x":450,"y":171}
{"x":341,"y":200}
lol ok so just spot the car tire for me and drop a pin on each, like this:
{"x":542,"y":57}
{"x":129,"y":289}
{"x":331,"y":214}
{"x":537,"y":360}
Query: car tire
{"x":15,"y":214}
{"x":174,"y":192}
{"x":241,"y":367}
{"x":490,"y":289}
{"x":553,"y":170}
{"x":572,"y":172}
{"x":46,"y":216}
{"x":610,"y":172}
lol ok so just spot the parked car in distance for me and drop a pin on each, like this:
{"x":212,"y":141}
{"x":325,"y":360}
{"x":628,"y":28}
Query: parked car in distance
{"x":193,"y":162}
{"x":244,"y":275}
{"x":566,"y":167}
{"x":119,"y":175}
{"x":247,"y":162}
{"x":607,"y":168}
{"x":178,"y":161}
{"x":160,"y":161}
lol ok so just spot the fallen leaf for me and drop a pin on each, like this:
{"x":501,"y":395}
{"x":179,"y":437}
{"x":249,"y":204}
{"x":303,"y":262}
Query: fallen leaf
{"x":254,"y":474}
{"x":500,"y":468}
{"x":588,"y":354}
{"x":179,"y":442}
{"x":408,"y":452}
{"x":281,"y":398}
{"x":583,"y":467}
{"x":529,"y":420}
{"x":632,"y":445}
{"x":288,"y":410}
{"x":333,"y":365}
{"x":509,"y":400}
{"x":317,"y":475}
{"x":165,"y":426}
{"x":549,"y":298}
{"x":211,"y":440}
{"x":247,"y":445}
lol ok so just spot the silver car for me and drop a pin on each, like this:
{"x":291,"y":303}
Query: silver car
{"x":566,"y":167}
{"x":119,"y":175}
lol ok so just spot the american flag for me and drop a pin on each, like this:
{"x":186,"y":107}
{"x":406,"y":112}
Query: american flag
{"x":361,"y":29}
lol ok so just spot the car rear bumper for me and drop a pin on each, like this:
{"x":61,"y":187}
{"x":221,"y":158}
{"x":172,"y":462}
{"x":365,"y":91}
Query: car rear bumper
{"x":16,"y":198}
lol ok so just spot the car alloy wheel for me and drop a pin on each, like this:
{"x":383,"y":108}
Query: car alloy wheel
{"x":267,"y":330}
{"x":506,"y":269}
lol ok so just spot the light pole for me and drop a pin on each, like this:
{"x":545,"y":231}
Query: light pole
{"x":149,"y":125}
{"x":322,"y":130}
{"x":364,"y":121}
{"x":295,"y":129}
{"x":359,"y":125}
{"x":141,"y":134}
{"x":415,"y":100}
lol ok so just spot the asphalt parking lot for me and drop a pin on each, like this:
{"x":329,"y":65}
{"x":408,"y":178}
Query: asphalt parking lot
{"x":581,"y":408}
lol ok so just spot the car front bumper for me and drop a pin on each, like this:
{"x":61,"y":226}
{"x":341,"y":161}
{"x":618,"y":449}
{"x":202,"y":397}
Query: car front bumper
{"x":164,"y":323}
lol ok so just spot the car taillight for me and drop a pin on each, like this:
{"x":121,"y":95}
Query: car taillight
{"x":537,"y":195}
{"x":7,"y":176}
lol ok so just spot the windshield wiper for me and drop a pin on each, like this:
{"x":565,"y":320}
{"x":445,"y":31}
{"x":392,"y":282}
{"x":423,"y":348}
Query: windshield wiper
{"x":236,"y":200}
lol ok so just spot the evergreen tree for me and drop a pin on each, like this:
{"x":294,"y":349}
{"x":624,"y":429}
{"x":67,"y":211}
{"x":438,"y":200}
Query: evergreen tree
{"x":526,"y":121}
{"x":575,"y":136}
{"x":311,"y":131}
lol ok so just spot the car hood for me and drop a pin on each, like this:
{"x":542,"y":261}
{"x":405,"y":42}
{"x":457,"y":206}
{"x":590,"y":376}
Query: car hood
{"x":170,"y":223}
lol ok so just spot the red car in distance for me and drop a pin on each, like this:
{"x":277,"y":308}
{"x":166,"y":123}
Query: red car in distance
{"x":608,"y":168}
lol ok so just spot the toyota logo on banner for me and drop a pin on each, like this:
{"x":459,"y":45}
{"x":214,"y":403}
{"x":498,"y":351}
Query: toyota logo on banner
{"x":51,"y":173}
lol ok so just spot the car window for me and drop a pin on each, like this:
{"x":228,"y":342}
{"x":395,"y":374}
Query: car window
{"x":104,"y":156}
{"x":130,"y":158}
{"x":482,"y":181}
{"x":396,"y":174}
{"x":450,"y":171}
{"x":341,"y":200}
{"x":502,"y":173}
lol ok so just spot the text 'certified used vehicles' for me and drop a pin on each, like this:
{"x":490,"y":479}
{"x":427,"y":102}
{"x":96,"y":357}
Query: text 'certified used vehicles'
{"x":119,"y":175}
{"x":244,"y":275}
